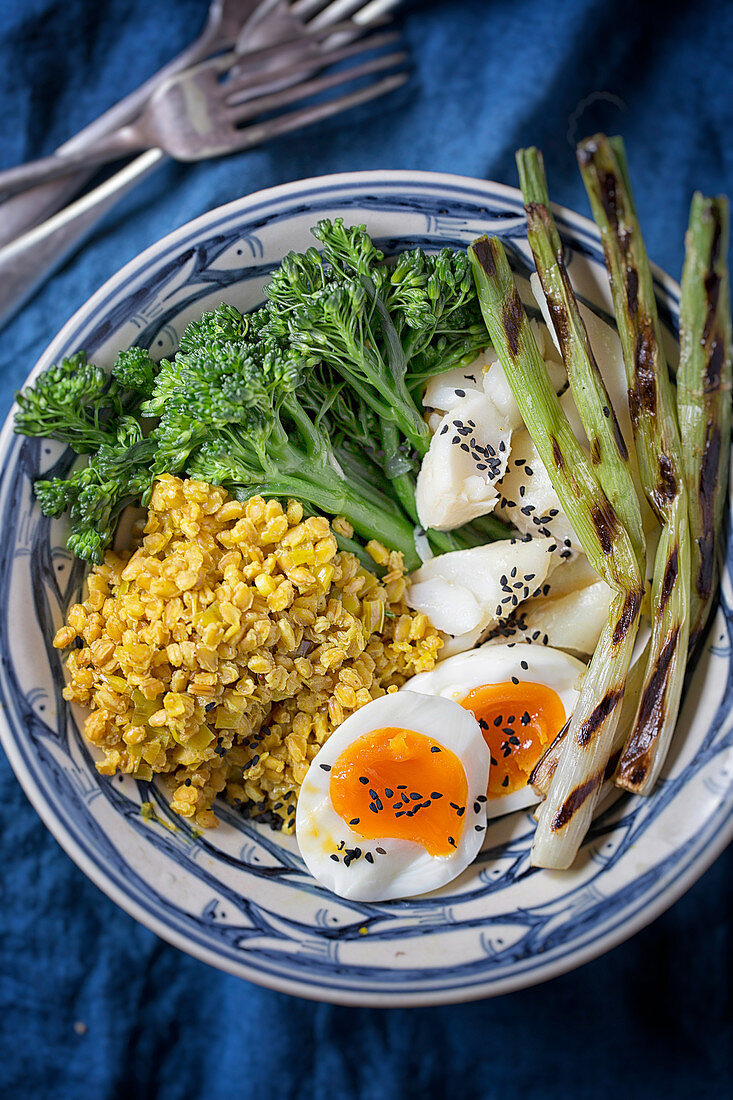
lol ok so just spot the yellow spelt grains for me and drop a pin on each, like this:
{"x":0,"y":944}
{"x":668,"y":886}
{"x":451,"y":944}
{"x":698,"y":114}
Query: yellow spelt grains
{"x":226,"y":646}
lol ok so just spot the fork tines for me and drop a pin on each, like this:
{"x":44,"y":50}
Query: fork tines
{"x":240,"y":113}
{"x":247,"y":85}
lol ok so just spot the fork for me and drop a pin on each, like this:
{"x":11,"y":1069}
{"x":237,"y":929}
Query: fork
{"x":25,"y":262}
{"x":199,"y":113}
{"x":225,"y":21}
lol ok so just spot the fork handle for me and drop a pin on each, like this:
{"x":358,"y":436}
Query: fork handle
{"x":119,"y":143}
{"x":27,"y":261}
{"x":25,"y":210}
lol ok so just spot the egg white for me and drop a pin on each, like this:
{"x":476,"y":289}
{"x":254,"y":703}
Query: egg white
{"x":454,"y":677}
{"x":404,"y":868}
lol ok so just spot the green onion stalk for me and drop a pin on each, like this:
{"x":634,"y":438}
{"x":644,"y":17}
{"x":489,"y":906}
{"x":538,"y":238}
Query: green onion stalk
{"x":566,"y":813}
{"x":609,"y":453}
{"x":654,"y":420}
{"x":703,"y":394}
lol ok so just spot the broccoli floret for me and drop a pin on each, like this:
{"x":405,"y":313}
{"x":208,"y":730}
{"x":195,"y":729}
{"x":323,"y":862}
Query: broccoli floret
{"x":73,"y":401}
{"x":134,"y":370}
{"x":225,"y":324}
{"x":55,"y":496}
{"x":94,"y":495}
{"x":315,"y":396}
{"x":382,"y":328}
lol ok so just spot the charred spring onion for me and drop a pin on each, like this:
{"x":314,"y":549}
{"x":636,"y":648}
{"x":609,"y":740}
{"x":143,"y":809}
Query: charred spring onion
{"x":543,"y":771}
{"x":608,"y":450}
{"x":565,"y":815}
{"x":653,"y":417}
{"x":703,"y":393}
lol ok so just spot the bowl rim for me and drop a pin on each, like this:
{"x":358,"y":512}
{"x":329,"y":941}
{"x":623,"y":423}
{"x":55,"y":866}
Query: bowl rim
{"x":97,"y":874}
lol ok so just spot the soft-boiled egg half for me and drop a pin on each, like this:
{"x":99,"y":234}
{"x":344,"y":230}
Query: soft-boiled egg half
{"x":394,"y":803}
{"x":521,"y":695}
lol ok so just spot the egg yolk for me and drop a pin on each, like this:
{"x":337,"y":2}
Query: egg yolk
{"x":518,"y":721}
{"x":398,"y":784}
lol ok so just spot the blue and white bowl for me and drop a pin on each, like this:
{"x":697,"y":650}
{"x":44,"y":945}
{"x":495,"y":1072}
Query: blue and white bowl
{"x":239,"y":897}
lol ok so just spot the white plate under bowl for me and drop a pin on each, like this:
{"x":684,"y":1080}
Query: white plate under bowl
{"x":239,"y":897}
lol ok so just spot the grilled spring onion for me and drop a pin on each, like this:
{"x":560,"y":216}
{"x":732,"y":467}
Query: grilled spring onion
{"x":543,"y":771}
{"x":608,"y":449}
{"x":653,"y":417}
{"x":565,"y":815}
{"x":703,"y":393}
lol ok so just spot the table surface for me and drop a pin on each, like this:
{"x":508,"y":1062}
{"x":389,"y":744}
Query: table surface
{"x":92,"y":1002}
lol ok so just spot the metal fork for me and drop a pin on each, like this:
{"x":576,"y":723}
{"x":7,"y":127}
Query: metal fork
{"x":225,"y":21}
{"x":199,"y":113}
{"x":28,"y":260}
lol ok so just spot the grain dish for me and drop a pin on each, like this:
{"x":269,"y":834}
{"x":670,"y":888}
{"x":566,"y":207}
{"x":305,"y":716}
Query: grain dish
{"x":227,"y":647}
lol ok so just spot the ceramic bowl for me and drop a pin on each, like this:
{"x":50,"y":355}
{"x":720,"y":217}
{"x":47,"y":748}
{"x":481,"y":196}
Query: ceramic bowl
{"x":239,"y":896}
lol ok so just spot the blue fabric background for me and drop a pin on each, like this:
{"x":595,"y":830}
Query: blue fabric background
{"x":653,"y":1017}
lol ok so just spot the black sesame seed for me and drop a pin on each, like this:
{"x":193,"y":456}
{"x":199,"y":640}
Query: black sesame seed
{"x":505,"y":781}
{"x":451,"y":841}
{"x":369,"y":857}
{"x":434,"y":748}
{"x":354,"y":821}
{"x":363,"y":779}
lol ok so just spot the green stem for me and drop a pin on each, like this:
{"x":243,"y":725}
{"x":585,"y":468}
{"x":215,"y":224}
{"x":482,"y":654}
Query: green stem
{"x":563,"y":818}
{"x":608,"y":449}
{"x":659,"y":451}
{"x":703,"y":393}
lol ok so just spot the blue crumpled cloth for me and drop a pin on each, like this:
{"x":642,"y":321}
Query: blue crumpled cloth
{"x":91,"y":1003}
